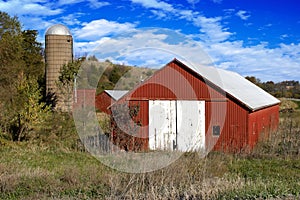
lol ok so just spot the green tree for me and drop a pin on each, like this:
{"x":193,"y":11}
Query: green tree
{"x":11,"y":52}
{"x":21,"y":112}
{"x":66,"y":79}
{"x":32,"y":55}
{"x":26,"y":113}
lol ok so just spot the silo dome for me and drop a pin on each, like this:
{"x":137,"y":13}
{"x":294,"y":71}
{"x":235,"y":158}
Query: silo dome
{"x":58,"y":29}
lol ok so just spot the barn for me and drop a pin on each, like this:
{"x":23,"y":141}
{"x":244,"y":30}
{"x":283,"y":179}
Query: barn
{"x":182,"y":107}
{"x":83,"y":97}
{"x":107,"y":98}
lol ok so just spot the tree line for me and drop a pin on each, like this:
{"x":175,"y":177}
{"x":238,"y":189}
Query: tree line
{"x":287,"y":89}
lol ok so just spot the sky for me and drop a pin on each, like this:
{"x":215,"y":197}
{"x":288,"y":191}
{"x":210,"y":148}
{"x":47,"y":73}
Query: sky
{"x":258,"y":38}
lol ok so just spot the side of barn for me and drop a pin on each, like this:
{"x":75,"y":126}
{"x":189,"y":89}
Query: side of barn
{"x":262,"y":123}
{"x":106,"y":98}
{"x":103,"y":101}
{"x":221,"y":120}
{"x":84,"y":97}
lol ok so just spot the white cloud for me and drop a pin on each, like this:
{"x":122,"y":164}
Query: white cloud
{"x":193,"y":2}
{"x":91,"y":3}
{"x":100,"y":28}
{"x":244,"y":15}
{"x":265,"y":63}
{"x":68,"y":2}
{"x":211,"y":28}
{"x":151,"y":48}
{"x":71,"y":19}
{"x":217,"y":1}
{"x":98,"y":4}
{"x":159,"y":14}
{"x":155,"y":4}
{"x":33,"y":8}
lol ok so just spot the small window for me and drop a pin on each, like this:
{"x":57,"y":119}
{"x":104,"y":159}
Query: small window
{"x":216,"y":130}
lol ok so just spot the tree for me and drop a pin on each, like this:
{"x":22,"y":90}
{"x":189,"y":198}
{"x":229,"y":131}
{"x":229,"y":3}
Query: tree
{"x":32,"y":55}
{"x":21,"y":111}
{"x":66,"y":78}
{"x":10,"y":55}
{"x":26,"y":113}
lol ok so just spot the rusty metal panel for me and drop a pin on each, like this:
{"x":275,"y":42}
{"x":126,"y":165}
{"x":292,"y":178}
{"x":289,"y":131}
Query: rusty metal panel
{"x":262,"y":123}
{"x":162,"y":125}
{"x":190,"y":125}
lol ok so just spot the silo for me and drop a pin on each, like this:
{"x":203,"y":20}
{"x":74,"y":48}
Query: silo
{"x":58,"y":51}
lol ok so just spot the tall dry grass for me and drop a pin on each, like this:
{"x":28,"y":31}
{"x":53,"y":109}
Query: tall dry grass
{"x":56,"y":170}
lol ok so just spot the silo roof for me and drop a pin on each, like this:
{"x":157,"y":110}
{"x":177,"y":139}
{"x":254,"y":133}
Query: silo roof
{"x":58,"y":29}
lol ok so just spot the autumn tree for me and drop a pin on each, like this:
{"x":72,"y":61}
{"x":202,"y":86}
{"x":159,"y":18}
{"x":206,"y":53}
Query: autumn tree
{"x":22,"y":111}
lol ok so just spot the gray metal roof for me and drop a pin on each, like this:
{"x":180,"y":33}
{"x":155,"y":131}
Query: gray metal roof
{"x":58,"y":29}
{"x":237,"y":86}
{"x":116,"y":94}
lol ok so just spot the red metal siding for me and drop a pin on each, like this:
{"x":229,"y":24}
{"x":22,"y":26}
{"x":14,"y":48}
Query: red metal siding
{"x":262,"y":123}
{"x":233,"y":137}
{"x":84,"y":97}
{"x":103,"y":101}
{"x":175,"y":82}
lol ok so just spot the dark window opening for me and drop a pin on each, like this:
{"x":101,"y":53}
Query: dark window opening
{"x":216,"y":130}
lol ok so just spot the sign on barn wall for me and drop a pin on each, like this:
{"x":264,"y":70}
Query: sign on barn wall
{"x":176,"y":125}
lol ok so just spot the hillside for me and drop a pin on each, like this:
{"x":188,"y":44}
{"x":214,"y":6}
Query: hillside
{"x":119,"y":77}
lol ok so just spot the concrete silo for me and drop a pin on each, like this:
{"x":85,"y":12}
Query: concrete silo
{"x":58,"y":51}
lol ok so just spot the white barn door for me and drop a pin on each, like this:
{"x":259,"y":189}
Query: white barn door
{"x":176,"y":125}
{"x":190,"y":125}
{"x":162,"y":124}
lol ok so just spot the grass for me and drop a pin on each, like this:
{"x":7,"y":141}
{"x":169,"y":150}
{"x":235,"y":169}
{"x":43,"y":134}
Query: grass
{"x":57,"y":169}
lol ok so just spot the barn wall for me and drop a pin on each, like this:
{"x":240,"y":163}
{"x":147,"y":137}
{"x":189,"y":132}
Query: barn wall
{"x":174,"y":82}
{"x":262,"y":123}
{"x":103,"y":101}
{"x":233,"y":136}
{"x":84,"y":97}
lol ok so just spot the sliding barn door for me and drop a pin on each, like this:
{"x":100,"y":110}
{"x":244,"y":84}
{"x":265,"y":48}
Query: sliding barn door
{"x":190,"y":125}
{"x":162,"y":125}
{"x":176,"y":125}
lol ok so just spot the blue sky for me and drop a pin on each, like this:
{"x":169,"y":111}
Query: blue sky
{"x":251,"y":37}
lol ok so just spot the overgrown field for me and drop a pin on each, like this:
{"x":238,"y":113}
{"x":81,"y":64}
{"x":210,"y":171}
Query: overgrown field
{"x":56,"y":167}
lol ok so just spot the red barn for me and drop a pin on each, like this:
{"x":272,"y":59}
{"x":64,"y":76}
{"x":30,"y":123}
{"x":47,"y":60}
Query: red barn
{"x":182,"y":107}
{"x":107,"y":98}
{"x":84,"y":97}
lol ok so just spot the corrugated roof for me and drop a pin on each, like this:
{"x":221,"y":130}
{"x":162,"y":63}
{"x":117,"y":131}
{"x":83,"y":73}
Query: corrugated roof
{"x":235,"y":85}
{"x":116,"y":94}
